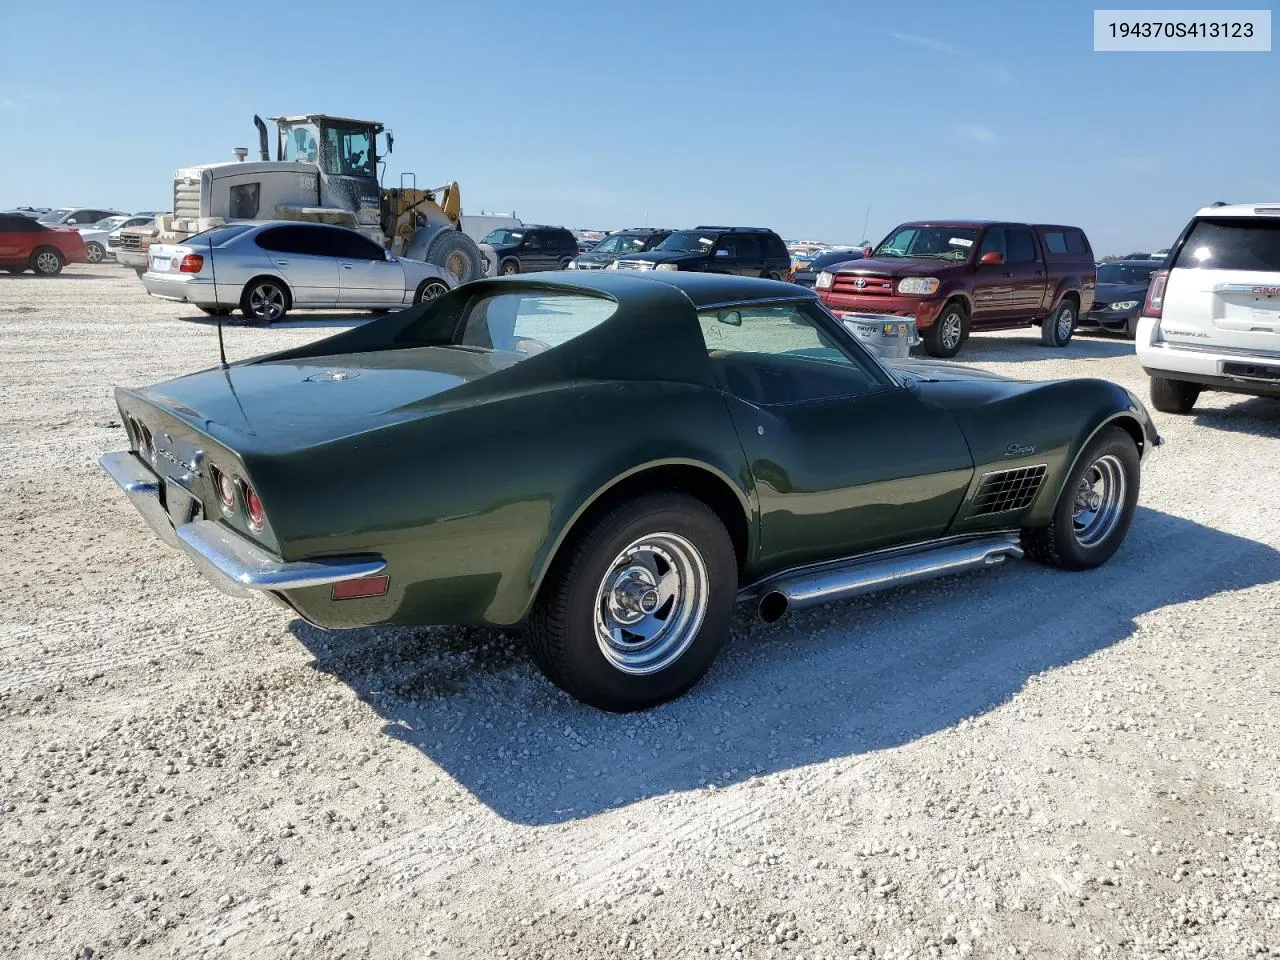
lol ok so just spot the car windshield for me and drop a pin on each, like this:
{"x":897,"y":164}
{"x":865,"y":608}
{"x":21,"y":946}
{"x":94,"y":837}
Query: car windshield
{"x":688,"y":241}
{"x":527,"y":323}
{"x":940,"y":243}
{"x":1127,"y":272}
{"x":621,"y":243}
{"x":503,"y":238}
{"x":53,"y":216}
{"x":831,"y":258}
{"x":109,"y":223}
{"x":220,"y":236}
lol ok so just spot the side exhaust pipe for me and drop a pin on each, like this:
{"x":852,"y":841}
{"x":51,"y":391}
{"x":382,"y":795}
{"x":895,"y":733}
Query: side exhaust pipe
{"x":883,"y":570}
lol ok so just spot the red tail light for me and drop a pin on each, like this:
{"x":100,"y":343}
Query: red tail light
{"x":253,"y":507}
{"x":191,"y":263}
{"x":1154,"y":305}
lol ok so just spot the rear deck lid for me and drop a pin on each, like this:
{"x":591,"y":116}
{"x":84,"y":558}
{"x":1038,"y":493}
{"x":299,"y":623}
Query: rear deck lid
{"x":1224,"y":287}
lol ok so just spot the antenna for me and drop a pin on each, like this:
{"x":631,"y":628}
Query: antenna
{"x":222,"y":350}
{"x":865,"y":221}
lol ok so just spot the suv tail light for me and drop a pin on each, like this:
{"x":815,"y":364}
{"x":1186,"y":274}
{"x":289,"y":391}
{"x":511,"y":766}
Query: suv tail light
{"x":1154,"y":305}
{"x":192,"y":263}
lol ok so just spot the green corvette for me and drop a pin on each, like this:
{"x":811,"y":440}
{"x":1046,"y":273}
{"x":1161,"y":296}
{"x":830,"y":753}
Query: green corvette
{"x":613,"y":461}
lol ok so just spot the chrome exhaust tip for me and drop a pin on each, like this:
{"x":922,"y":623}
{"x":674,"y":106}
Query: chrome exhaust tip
{"x":773,"y":606}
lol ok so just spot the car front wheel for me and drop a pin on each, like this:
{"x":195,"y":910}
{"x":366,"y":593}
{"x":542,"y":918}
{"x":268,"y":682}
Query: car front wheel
{"x":1095,"y":507}
{"x":265,"y":301}
{"x":1058,"y":327}
{"x":429,"y":290}
{"x":948,"y":333}
{"x":636,"y":609}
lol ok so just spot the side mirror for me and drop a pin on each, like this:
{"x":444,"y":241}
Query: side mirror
{"x":721,"y":253}
{"x":867,"y":250}
{"x":992,"y":258}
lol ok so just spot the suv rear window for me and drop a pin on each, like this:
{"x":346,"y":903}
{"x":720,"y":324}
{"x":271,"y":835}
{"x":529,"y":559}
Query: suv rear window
{"x":1065,"y":243}
{"x":1232,"y":243}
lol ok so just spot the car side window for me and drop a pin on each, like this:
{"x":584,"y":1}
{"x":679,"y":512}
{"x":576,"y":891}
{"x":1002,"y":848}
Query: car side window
{"x":533,"y":241}
{"x":780,"y":354}
{"x":1076,"y":243}
{"x":296,"y":240}
{"x":993,"y":242}
{"x":1055,"y":242}
{"x":567,"y":243}
{"x":726,"y":246}
{"x":352,"y":246}
{"x":1020,"y":245}
{"x":774,"y":247}
{"x":749,"y":247}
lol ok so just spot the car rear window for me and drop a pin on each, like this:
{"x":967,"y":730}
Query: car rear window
{"x":217,"y":236}
{"x":529,"y":322}
{"x":1232,"y":243}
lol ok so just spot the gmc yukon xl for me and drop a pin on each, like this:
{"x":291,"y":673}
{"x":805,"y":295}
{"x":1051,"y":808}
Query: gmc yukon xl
{"x":954,"y":276}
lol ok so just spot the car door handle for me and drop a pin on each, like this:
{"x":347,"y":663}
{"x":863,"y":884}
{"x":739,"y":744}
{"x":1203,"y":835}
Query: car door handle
{"x":1008,"y":274}
{"x":282,"y":263}
{"x":346,"y":266}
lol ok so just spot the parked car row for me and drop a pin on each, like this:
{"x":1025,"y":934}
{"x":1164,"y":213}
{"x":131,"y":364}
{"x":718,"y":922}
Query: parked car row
{"x":24,"y":247}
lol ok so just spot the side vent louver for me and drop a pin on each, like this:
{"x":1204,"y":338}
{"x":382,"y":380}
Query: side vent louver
{"x":1007,"y":490}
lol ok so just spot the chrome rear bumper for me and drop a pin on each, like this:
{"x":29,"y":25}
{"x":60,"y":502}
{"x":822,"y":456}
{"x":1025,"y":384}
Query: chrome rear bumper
{"x":234,"y":564}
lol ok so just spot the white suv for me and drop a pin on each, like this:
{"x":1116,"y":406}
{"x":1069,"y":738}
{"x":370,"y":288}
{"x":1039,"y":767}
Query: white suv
{"x":1212,"y":316}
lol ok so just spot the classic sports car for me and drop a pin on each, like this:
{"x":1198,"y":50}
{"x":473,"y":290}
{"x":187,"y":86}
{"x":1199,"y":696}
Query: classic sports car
{"x":613,"y":459}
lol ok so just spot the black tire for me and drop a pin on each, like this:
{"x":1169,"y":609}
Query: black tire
{"x":429,"y":290}
{"x":215,"y":311}
{"x":47,"y":262}
{"x":1131,"y":329}
{"x":1174,"y":396}
{"x":454,"y":251}
{"x":769,"y":275}
{"x":1057,"y":329}
{"x":261,"y":292}
{"x":947,"y":334}
{"x":564,"y":263}
{"x":1062,"y":543}
{"x":562,"y":631}
{"x":94,"y":252}
{"x":509,"y":268}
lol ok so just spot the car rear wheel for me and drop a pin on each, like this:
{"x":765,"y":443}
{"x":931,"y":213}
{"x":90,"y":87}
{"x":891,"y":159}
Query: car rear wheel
{"x":429,"y":290}
{"x":510,"y":268}
{"x":94,"y":252}
{"x":1173,"y":396}
{"x":635,"y":610}
{"x":1058,"y":327}
{"x":265,"y":301}
{"x":1095,"y":508}
{"x":47,"y":262}
{"x":948,"y":333}
{"x":564,"y":264}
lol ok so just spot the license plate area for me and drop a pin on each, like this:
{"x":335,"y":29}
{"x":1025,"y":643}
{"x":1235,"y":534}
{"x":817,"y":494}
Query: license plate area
{"x":159,"y":263}
{"x":181,"y":505}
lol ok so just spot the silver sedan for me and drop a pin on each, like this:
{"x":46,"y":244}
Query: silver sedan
{"x":268,"y":268}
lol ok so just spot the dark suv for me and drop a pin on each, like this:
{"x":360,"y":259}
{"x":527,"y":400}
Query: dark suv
{"x":530,"y":248}
{"x":745,"y":251}
{"x":620,"y":243}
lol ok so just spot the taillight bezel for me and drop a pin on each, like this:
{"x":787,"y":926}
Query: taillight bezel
{"x":256,"y":521}
{"x":191,"y":263}
{"x":228,"y":497}
{"x":1153,"y":305}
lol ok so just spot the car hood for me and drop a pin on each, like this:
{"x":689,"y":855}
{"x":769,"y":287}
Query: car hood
{"x":271,"y":406}
{"x":1111,"y":292}
{"x":939,"y":371}
{"x":663,"y":256}
{"x":899,"y":267}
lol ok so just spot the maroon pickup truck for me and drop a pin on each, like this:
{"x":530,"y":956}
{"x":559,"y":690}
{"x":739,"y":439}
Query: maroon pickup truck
{"x":954,"y":276}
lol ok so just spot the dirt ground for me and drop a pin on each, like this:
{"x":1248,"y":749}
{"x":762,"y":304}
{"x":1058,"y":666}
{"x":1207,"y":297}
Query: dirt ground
{"x":1015,"y":763}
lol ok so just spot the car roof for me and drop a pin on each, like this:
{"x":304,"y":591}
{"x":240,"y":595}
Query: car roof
{"x":702,"y":289}
{"x":1241,"y":210}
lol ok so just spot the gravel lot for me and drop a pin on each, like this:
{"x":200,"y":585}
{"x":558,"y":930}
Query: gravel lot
{"x":1017,"y":763}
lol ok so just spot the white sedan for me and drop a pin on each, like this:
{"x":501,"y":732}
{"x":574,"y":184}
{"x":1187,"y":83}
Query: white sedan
{"x":267,"y":268}
{"x":97,"y":238}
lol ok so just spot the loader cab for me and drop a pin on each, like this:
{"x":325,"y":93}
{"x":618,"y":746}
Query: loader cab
{"x":346,"y":153}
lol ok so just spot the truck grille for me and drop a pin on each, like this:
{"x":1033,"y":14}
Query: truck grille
{"x":1007,"y":490}
{"x":852,"y":284}
{"x":186,"y":198}
{"x":131,"y":241}
{"x":635,"y":265}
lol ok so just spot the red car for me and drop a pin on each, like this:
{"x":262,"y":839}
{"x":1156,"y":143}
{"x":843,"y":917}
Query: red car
{"x":26,"y":244}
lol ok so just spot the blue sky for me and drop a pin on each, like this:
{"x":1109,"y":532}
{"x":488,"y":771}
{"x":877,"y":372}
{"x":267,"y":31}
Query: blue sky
{"x":602,"y":115}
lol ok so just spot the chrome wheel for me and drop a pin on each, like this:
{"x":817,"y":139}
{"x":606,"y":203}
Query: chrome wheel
{"x":458,"y":264}
{"x":952,"y":328}
{"x":94,"y":253}
{"x":651,"y":603}
{"x":1066,"y":323}
{"x":432,"y":290}
{"x":266,"y":302}
{"x":1099,"y":501}
{"x":48,"y":263}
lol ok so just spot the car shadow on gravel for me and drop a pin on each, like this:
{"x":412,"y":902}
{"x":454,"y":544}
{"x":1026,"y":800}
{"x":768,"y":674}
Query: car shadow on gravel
{"x":1029,"y":349}
{"x":830,"y":682}
{"x":1259,"y":416}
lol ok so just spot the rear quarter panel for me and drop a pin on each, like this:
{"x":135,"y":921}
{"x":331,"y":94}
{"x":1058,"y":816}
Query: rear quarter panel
{"x":469,"y":506}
